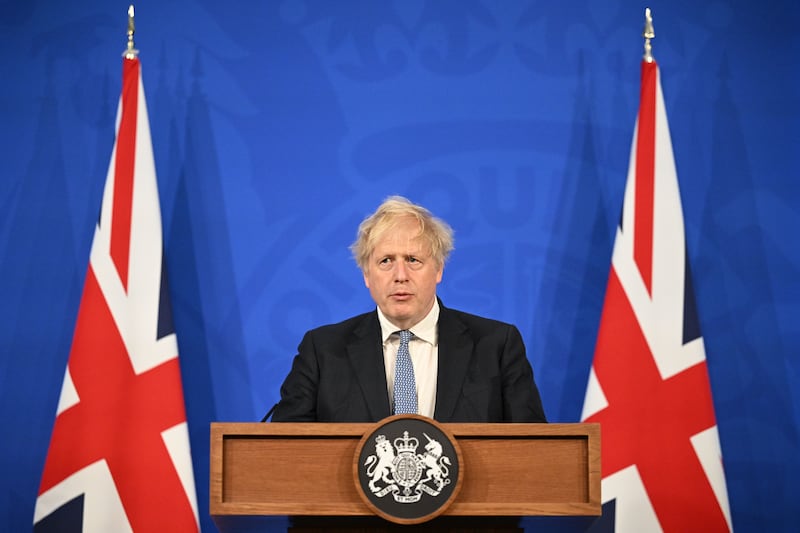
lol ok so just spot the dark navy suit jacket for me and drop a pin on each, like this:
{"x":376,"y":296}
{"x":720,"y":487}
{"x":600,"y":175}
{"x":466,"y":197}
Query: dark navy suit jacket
{"x":483,"y":376}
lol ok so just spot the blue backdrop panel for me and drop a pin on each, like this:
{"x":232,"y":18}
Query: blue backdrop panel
{"x":278,"y":125}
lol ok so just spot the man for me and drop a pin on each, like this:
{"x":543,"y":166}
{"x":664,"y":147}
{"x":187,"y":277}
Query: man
{"x":463,"y":368}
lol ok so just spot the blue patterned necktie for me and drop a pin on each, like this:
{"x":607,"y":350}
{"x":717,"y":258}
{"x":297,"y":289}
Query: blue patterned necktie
{"x":405,"y":388}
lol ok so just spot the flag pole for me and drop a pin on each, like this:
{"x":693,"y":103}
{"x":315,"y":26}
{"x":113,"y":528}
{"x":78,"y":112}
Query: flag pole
{"x":648,"y":33}
{"x":130,"y":51}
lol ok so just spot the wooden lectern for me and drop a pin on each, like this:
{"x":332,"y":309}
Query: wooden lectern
{"x":306,"y":470}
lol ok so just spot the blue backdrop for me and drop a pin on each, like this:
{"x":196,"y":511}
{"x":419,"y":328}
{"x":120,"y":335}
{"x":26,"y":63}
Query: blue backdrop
{"x":277,"y":125}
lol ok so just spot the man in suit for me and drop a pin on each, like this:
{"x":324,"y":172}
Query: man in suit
{"x":463,"y":368}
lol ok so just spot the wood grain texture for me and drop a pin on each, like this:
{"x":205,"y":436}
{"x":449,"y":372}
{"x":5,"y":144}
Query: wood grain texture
{"x":306,"y":469}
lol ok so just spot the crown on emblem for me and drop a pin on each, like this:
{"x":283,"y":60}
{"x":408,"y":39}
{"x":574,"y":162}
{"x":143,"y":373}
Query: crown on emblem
{"x":380,"y":438}
{"x":406,"y":443}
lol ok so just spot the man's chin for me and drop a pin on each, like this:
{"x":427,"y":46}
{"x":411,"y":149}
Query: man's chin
{"x":398,"y":314}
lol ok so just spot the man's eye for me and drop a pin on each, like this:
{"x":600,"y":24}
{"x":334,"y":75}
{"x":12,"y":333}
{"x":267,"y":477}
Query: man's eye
{"x":414,"y":263}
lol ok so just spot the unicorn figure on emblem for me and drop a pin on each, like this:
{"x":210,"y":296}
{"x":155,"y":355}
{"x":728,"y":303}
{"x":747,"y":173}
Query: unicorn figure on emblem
{"x":435,"y":465}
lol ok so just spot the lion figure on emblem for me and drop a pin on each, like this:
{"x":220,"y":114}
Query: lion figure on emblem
{"x":379,"y":467}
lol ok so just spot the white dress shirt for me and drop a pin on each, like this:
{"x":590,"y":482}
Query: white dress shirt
{"x":424,"y":351}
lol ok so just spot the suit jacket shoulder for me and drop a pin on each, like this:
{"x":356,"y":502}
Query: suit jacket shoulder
{"x":484,"y":373}
{"x":337,"y":375}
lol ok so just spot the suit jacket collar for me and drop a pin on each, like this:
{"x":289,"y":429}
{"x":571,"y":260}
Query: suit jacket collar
{"x":365,"y":351}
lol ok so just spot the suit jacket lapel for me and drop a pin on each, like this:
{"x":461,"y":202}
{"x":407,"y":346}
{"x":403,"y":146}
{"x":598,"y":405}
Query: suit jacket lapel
{"x":455,"y":351}
{"x":366,"y":355}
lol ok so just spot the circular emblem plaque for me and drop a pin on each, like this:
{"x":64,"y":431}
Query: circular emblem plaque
{"x":408,"y":469}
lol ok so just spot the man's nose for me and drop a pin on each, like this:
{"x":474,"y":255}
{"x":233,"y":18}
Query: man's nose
{"x":400,"y":271}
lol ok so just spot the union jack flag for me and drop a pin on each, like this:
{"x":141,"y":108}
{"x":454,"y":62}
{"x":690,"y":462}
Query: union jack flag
{"x":649,"y":387}
{"x":119,"y":455}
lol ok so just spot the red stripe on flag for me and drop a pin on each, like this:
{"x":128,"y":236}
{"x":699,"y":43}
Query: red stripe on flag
{"x":649,"y":420}
{"x":645,"y":176}
{"x":120,"y":418}
{"x":123,"y":170}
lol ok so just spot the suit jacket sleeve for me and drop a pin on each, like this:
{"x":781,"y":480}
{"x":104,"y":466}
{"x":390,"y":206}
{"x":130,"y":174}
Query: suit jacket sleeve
{"x":521,"y":400}
{"x":299,"y":390}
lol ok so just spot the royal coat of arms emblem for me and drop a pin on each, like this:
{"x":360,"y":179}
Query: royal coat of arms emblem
{"x":397,"y":469}
{"x":408,"y":469}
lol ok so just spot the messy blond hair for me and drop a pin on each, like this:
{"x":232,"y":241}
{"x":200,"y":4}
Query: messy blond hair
{"x":434,"y":231}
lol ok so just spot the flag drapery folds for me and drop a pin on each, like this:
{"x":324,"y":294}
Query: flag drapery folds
{"x":119,"y":456}
{"x":648,"y":386}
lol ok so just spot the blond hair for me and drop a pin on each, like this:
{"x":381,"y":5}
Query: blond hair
{"x":434,"y":231}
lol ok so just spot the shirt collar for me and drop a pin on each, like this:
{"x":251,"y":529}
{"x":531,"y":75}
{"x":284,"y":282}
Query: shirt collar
{"x":425,"y":329}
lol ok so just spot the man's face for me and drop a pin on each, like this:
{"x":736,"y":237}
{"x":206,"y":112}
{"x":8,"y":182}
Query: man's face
{"x":401,"y":275}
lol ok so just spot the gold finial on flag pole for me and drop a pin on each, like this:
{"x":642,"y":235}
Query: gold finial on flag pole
{"x":130,"y":52}
{"x":649,"y":33}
